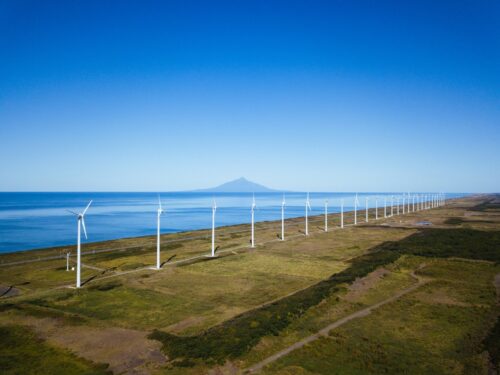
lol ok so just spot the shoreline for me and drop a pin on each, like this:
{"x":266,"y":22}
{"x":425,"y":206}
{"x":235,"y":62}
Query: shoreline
{"x":200,"y":234}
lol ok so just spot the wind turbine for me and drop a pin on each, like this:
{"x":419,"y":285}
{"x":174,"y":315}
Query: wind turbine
{"x":283,"y":218}
{"x":392,"y":205}
{"x":308,"y":208}
{"x":385,"y":207}
{"x":342,"y":213}
{"x":413,"y":203}
{"x":81,"y":224}
{"x":214,"y":208}
{"x":397,"y":205}
{"x":67,"y":260}
{"x":408,"y":208}
{"x":159,"y":212}
{"x":253,"y":229}
{"x":404,"y":203}
{"x":376,"y":208}
{"x":326,"y":215}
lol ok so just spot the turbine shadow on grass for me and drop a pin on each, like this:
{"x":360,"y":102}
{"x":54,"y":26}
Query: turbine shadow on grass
{"x":9,"y":289}
{"x":168,"y":260}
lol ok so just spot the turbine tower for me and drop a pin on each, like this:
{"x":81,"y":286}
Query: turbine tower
{"x":283,"y":218}
{"x":214,"y":208}
{"x":253,"y":229}
{"x":159,"y":212}
{"x":376,"y":208}
{"x":308,"y":207}
{"x":385,"y":207}
{"x":81,"y":224}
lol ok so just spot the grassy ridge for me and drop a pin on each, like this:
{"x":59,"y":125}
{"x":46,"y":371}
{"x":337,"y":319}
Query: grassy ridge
{"x":238,"y":335}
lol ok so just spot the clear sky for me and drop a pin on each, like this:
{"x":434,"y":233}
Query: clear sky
{"x":300,"y":95}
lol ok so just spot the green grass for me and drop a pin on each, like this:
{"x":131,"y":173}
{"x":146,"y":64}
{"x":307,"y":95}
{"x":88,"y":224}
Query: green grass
{"x":443,"y":243}
{"x":492,"y":345}
{"x":211,"y":310}
{"x":237,"y":336}
{"x":492,"y":204}
{"x":21,"y":352}
{"x":437,"y":329}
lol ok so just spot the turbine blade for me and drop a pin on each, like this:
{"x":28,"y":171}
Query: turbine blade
{"x":86,"y":208}
{"x":83,"y":226}
{"x":72,"y":212}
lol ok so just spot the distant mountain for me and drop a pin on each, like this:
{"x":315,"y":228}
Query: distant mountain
{"x":240,"y":185}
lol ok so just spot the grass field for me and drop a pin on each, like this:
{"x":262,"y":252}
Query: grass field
{"x":233,"y":311}
{"x":24,"y":353}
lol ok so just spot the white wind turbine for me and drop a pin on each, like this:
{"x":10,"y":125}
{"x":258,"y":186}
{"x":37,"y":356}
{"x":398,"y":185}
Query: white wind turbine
{"x":67,"y":260}
{"x":385,"y":206}
{"x":326,"y":215}
{"x":283,"y":218}
{"x":214,"y":208}
{"x":159,"y":211}
{"x":81,"y":224}
{"x":252,"y":239}
{"x":376,"y":208}
{"x":308,"y":208}
{"x":392,"y":205}
{"x":404,"y":203}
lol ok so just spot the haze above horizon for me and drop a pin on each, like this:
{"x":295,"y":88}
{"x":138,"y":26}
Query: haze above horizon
{"x":322,"y":96}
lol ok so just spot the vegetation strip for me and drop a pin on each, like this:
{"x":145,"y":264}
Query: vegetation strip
{"x":338,"y":323}
{"x":237,"y":336}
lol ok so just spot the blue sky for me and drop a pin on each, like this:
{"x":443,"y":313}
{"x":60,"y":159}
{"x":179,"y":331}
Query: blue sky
{"x":299,"y":95}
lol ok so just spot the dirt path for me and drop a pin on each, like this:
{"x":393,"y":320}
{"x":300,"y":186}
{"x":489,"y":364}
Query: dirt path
{"x":325,"y":331}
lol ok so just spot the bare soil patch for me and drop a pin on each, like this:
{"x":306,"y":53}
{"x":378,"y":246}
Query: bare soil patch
{"x":126,"y":351}
{"x":439,"y":296}
{"x":360,"y":286}
{"x":183,"y":324}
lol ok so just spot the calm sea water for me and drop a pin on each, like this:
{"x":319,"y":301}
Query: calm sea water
{"x":37,"y":220}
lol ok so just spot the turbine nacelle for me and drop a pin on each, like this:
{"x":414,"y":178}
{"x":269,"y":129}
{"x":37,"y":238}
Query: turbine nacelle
{"x":160,"y":208}
{"x":80,"y":216}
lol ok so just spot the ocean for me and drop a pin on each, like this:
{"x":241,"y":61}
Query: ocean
{"x":38,"y":220}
